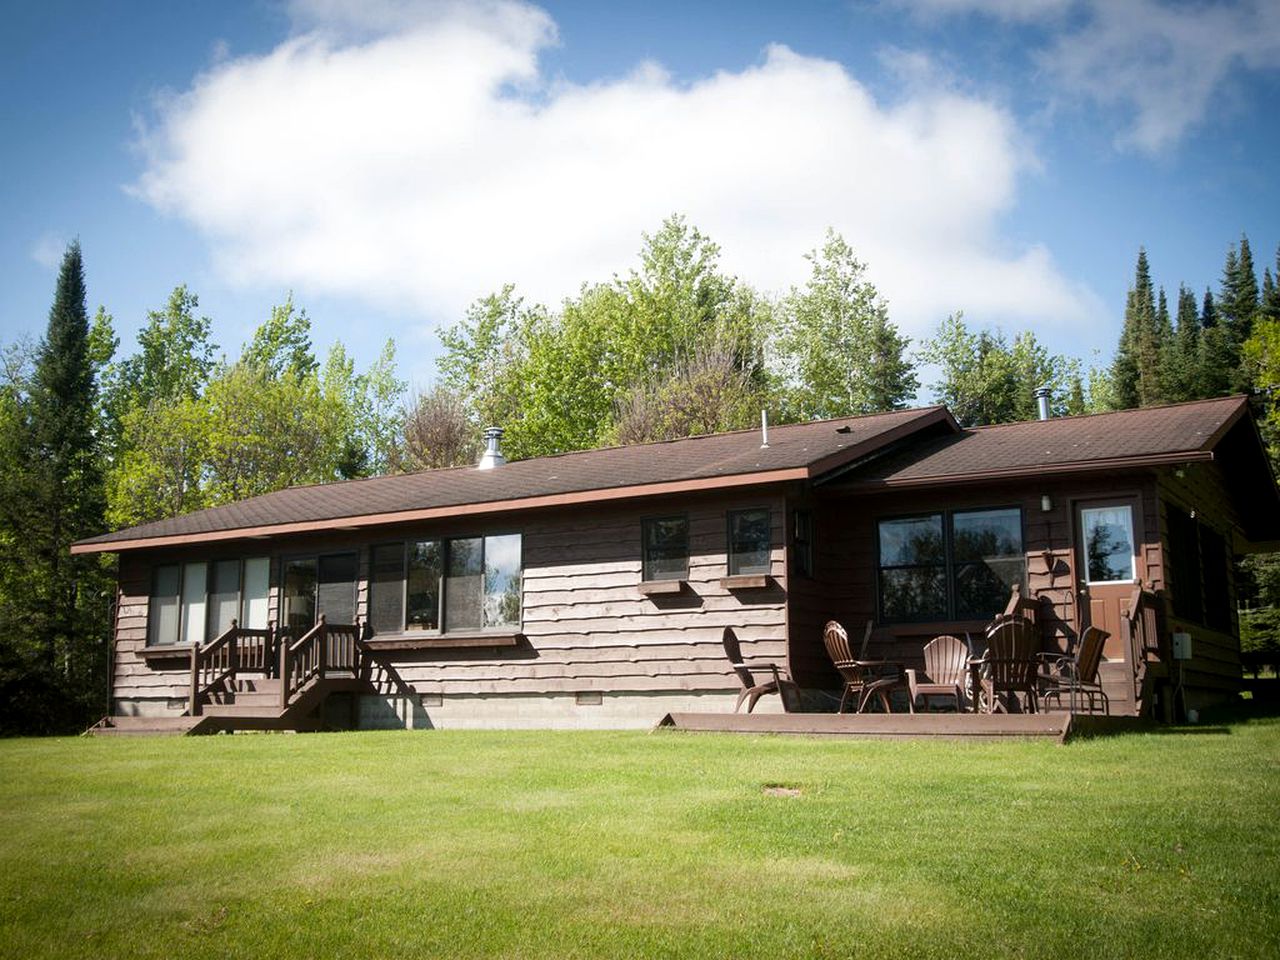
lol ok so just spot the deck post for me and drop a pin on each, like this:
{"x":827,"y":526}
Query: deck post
{"x":282,"y":644}
{"x":193,"y":699}
{"x":323,"y":640}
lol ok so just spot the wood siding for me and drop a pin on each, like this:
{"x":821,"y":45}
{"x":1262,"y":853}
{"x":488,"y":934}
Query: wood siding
{"x":586,"y":625}
{"x":1201,"y":491}
{"x":844,"y":586}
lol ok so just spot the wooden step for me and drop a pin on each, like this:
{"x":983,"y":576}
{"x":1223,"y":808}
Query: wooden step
{"x":263,"y":711}
{"x":259,"y":685}
{"x":143,"y":726}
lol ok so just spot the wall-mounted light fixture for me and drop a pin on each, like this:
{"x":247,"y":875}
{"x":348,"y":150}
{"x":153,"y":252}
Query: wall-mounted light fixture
{"x":1046,"y":503}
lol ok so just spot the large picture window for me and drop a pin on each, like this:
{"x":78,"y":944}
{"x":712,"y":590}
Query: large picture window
{"x":196,"y":602}
{"x":959,"y":565}
{"x":666,"y":548}
{"x":454,"y":585}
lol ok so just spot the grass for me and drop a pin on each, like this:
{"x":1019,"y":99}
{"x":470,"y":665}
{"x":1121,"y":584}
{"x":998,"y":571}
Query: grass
{"x":476,"y":844}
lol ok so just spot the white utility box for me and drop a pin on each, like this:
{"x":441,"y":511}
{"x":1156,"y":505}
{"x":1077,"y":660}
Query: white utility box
{"x":1182,"y":646}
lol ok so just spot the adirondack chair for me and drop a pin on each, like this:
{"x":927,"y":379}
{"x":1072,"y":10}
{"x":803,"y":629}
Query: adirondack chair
{"x":752,"y":690}
{"x":864,"y":680}
{"x":1076,"y":674}
{"x":1009,"y":667}
{"x":946,"y":665}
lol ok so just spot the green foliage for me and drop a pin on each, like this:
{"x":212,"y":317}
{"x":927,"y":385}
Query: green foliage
{"x":1137,"y":379}
{"x":984,"y":379}
{"x":53,"y":606}
{"x":839,"y":352}
{"x":555,"y":381}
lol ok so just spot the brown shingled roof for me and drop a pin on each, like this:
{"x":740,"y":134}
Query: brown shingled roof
{"x":1179,"y":432}
{"x":795,"y":452}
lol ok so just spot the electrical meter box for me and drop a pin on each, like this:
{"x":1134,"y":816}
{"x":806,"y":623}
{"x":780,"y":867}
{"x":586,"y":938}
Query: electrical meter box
{"x":1182,"y":646}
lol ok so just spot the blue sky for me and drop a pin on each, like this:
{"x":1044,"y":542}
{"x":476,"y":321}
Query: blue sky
{"x":390,"y":161}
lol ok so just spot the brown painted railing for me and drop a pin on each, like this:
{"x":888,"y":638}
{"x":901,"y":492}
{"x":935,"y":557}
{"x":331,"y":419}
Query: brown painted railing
{"x":1140,"y":625}
{"x":325,"y":648}
{"x":215,"y":664}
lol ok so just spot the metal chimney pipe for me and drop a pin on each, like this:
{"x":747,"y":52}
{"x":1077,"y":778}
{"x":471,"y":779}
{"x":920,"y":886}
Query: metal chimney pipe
{"x":764,"y":429}
{"x":492,"y":456}
{"x":1042,"y":401}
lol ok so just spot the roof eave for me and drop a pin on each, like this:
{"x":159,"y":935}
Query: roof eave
{"x":455,"y":510}
{"x":1037,"y":470}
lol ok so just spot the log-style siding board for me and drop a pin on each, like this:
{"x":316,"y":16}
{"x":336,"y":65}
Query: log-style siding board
{"x":845,"y":523}
{"x":1200,"y":490}
{"x":584,"y":620}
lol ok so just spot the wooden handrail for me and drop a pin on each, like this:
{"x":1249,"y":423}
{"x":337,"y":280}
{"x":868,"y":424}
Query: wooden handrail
{"x":202,"y":662}
{"x":325,"y":648}
{"x":217,"y":662}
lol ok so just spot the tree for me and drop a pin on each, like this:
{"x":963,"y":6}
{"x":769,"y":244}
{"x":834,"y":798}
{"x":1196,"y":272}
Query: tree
{"x":1135,"y":375}
{"x":706,"y":393}
{"x":436,"y":433}
{"x":282,"y":344}
{"x":839,"y":352}
{"x":555,"y":381}
{"x":54,"y":612}
{"x":983,"y":379}
{"x":1181,"y":363}
{"x":1239,"y":300}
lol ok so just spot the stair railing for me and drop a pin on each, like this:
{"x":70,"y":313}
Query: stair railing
{"x":325,"y":648}
{"x":214,"y":665}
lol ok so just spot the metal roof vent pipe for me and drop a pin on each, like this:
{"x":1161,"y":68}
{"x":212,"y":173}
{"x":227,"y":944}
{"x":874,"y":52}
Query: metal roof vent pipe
{"x":492,"y":456}
{"x":1042,"y":402}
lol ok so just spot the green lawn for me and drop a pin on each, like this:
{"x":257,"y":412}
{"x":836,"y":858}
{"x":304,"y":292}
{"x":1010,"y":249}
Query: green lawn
{"x":465,"y":844}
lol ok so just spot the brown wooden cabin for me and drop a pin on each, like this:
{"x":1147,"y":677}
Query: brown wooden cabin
{"x":591,"y":589}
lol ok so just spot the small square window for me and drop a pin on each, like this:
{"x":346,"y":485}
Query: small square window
{"x":750,"y":538}
{"x":666,"y":548}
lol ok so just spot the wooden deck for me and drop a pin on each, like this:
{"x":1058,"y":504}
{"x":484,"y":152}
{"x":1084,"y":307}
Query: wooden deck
{"x":902,"y":726}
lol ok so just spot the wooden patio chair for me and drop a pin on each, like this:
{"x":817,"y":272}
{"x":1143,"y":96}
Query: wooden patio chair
{"x":1009,"y":667}
{"x":864,"y":680}
{"x":752,"y":691}
{"x":1076,"y":674}
{"x":946,"y":667}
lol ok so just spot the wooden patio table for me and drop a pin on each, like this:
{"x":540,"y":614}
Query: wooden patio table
{"x":885,"y":680}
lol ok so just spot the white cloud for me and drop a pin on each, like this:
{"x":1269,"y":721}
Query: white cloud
{"x":49,"y":249}
{"x":1161,"y":62}
{"x":1165,"y":63}
{"x":417,"y":157}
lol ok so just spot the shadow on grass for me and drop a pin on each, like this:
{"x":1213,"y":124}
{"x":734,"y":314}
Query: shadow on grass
{"x":1214,"y":721}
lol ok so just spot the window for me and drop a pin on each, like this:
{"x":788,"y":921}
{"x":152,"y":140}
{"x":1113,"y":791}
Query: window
{"x":314,"y":586}
{"x":959,"y":565}
{"x":802,"y":536}
{"x":1217,"y":586}
{"x":1184,"y":565}
{"x":666,"y":548}
{"x":1198,"y":562}
{"x":460,"y":584}
{"x":196,"y":602}
{"x":1108,"y":543}
{"x":750,"y":538}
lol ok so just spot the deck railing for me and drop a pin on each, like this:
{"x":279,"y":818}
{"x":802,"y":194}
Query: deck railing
{"x":214,"y":665}
{"x":324,"y":649}
{"x":1140,"y":625}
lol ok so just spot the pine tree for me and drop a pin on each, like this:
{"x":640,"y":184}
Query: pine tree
{"x":1135,"y":374}
{"x":1217,"y":358}
{"x":1181,"y":363}
{"x":56,"y":621}
{"x":1271,"y":290}
{"x":1239,"y":300}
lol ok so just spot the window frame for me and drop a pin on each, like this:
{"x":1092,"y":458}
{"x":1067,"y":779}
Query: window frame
{"x":443,"y":630}
{"x":645,"y":525}
{"x":288,"y":558}
{"x":949,"y":563}
{"x":210,"y":566}
{"x":730,"y":568}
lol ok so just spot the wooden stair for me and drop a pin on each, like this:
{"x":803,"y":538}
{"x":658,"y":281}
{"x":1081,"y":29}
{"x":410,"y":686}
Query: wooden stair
{"x":143,"y":726}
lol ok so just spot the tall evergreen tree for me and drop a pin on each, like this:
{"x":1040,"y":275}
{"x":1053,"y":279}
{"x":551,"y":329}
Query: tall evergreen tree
{"x":1239,"y":300}
{"x":1181,"y":364}
{"x":57,"y":621}
{"x":1135,"y":375}
{"x":1217,"y":356}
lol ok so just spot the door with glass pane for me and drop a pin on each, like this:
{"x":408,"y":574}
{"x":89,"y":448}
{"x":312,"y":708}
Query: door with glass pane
{"x":1108,"y":566}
